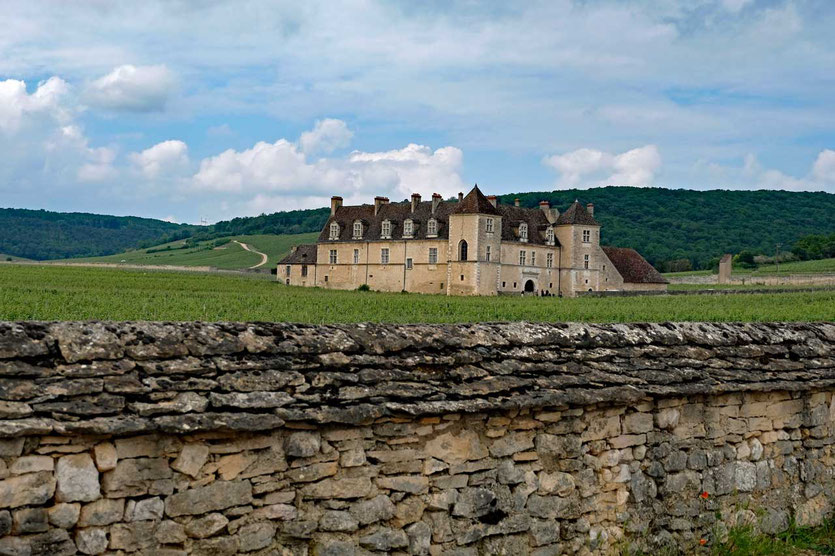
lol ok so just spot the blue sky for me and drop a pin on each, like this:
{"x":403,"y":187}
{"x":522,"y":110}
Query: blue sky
{"x":189,"y":110}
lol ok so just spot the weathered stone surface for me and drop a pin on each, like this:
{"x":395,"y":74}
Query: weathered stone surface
{"x":135,"y":477}
{"x":385,"y":539}
{"x":148,"y":508}
{"x":191,"y":459}
{"x":102,"y":512}
{"x":256,"y":536}
{"x":216,"y":496}
{"x":379,"y":508}
{"x":456,"y":448}
{"x":206,"y":526}
{"x":338,"y":488}
{"x":25,"y":490}
{"x":338,"y":521}
{"x":5,"y":523}
{"x":91,"y":541}
{"x":32,"y":464}
{"x":77,"y":479}
{"x":302,"y":444}
{"x":105,"y":455}
{"x":64,"y":516}
{"x":30,"y":520}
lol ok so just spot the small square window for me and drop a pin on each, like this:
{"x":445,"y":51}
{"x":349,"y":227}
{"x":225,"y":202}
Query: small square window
{"x":409,"y":263}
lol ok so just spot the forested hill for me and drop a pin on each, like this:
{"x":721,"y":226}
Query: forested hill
{"x":41,"y":234}
{"x":662,"y":224}
{"x":667,"y":224}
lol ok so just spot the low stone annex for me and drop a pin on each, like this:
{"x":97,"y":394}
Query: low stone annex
{"x":466,"y":440}
{"x":472,"y":246}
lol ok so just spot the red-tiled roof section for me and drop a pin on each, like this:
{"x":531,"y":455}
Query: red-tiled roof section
{"x":577,"y":214}
{"x":475,"y":203}
{"x":632,"y":266}
{"x":302,"y":254}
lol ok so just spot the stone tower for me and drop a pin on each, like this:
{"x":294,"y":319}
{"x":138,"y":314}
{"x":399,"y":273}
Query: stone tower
{"x":475,"y":231}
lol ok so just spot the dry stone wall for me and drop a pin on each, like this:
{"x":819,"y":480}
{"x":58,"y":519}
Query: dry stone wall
{"x":160,"y":438}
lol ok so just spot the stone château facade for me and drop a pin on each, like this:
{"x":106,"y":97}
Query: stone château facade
{"x":472,"y":246}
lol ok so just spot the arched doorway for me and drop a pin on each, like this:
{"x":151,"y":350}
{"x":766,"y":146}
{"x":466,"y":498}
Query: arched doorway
{"x":462,"y":250}
{"x":529,"y":286}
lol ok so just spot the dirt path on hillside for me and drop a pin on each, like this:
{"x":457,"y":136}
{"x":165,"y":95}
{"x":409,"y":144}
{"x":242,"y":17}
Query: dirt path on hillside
{"x":264,"y":257}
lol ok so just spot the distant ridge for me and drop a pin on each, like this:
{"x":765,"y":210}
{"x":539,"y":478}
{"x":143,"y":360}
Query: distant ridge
{"x":661,"y":224}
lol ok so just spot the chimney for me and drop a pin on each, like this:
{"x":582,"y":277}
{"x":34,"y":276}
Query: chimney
{"x":378,"y":202}
{"x":336,"y":202}
{"x":590,"y":208}
{"x":516,"y":202}
{"x":492,"y":199}
{"x":545,"y":206}
{"x":460,"y":196}
{"x":436,"y":199}
{"x":415,"y":201}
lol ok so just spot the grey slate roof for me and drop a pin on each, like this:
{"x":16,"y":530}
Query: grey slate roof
{"x":577,"y":214}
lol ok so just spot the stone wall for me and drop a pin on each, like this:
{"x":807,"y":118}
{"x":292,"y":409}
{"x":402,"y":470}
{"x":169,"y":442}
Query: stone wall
{"x":169,"y":439}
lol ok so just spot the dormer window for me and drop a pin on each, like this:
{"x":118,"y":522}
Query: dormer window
{"x":549,"y":236}
{"x":357,"y":230}
{"x":432,"y":228}
{"x":523,"y":232}
{"x":334,"y":231}
{"x":408,"y":228}
{"x":385,"y":229}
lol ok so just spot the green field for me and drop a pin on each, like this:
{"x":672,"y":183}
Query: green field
{"x":228,"y":256}
{"x":52,"y":292}
{"x":4,"y":257}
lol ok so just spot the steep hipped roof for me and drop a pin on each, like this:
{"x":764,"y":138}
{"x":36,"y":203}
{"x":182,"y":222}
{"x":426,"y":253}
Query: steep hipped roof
{"x":302,"y":254}
{"x":577,"y":214}
{"x":536,"y":220}
{"x":632,"y":266}
{"x":475,"y":203}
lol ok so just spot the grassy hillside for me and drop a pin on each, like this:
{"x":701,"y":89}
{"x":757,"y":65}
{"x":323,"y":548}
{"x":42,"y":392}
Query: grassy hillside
{"x":6,"y":258}
{"x":41,"y":234}
{"x":52,"y":292}
{"x":223,"y":253}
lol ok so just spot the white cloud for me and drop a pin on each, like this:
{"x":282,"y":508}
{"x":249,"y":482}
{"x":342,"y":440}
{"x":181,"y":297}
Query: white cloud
{"x":326,"y":136}
{"x":587,"y":167}
{"x":133,"y":88}
{"x":164,"y":159}
{"x":824,"y":167}
{"x":279,"y":175}
{"x":16,"y":103}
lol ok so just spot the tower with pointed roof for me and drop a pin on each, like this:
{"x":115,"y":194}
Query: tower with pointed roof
{"x":580,"y":262}
{"x":475,"y":231}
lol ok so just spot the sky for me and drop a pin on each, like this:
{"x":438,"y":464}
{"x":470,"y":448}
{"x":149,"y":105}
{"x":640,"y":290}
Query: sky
{"x":204,"y":111}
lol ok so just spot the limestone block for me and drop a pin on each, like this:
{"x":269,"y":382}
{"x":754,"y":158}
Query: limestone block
{"x":102,"y":512}
{"x":30,"y":520}
{"x":420,"y":538}
{"x":25,"y":490}
{"x":216,"y":496}
{"x":92,"y":540}
{"x":77,"y":479}
{"x":601,"y":428}
{"x":5,"y":523}
{"x":256,"y":536}
{"x":170,"y":532}
{"x":637,"y":423}
{"x":512,"y":443}
{"x":105,"y":455}
{"x":456,"y":448}
{"x":384,"y":539}
{"x":413,"y":484}
{"x":64,"y":516}
{"x":32,"y":464}
{"x":135,"y":477}
{"x":302,"y":444}
{"x":338,"y":521}
{"x":191,"y":459}
{"x":379,"y":508}
{"x":148,"y":508}
{"x":561,"y":484}
{"x":206,"y":526}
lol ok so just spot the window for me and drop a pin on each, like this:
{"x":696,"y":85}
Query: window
{"x":356,"y":256}
{"x":357,"y":230}
{"x":523,"y":232}
{"x":462,"y":250}
{"x":386,"y":229}
{"x":489,"y":225}
{"x":586,"y":236}
{"x":432,"y":227}
{"x":586,"y":262}
{"x":549,"y":260}
{"x":304,"y":270}
{"x":549,"y":236}
{"x":409,"y":263}
{"x":326,"y":278}
{"x":487,"y":254}
{"x":384,"y":255}
{"x":533,"y":258}
{"x":332,"y":259}
{"x":433,"y":255}
{"x":287,"y":270}
{"x":287,"y":281}
{"x":522,"y":257}
{"x":408,"y":228}
{"x":504,"y":284}
{"x":462,"y":277}
{"x":334,"y":231}
{"x":604,"y":267}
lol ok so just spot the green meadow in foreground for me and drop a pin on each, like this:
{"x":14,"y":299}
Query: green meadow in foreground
{"x":52,"y":292}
